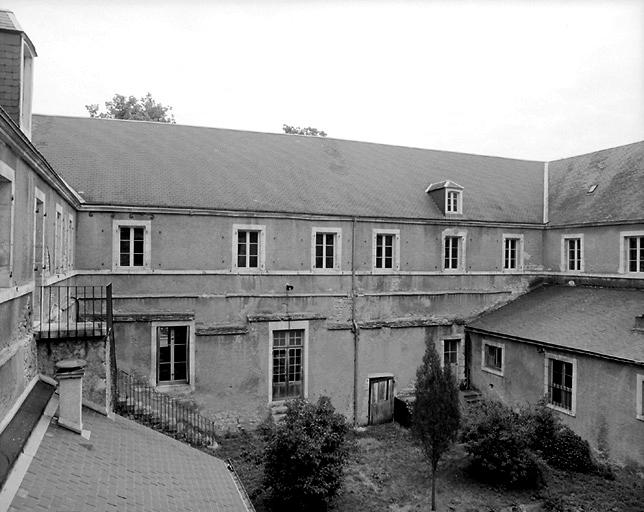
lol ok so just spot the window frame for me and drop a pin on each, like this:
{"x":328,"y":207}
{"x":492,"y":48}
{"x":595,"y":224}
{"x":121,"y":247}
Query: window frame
{"x":117,"y":224}
{"x":71,"y":239}
{"x":59,"y":235}
{"x":459,"y":201}
{"x":395,"y":247}
{"x":462,"y":235}
{"x":500,"y":372}
{"x":9,"y":175}
{"x":564,"y":252}
{"x":190,"y":324}
{"x":623,"y":259}
{"x":546,"y":382}
{"x":458,"y":340}
{"x":639,"y":396}
{"x":519,"y":257}
{"x":289,"y":326}
{"x":261,"y":250}
{"x":337,"y":248}
{"x":39,"y":195}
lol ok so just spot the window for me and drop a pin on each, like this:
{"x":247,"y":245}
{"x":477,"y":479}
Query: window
{"x":453,"y":253}
{"x":248,"y":247}
{"x":288,"y":360}
{"x":493,"y":357}
{"x":453,"y":201}
{"x":131,"y":244}
{"x":639,"y":395}
{"x":386,"y":249}
{"x":70,"y":242}
{"x":39,"y":231}
{"x":326,"y":245}
{"x":572,"y":253}
{"x":7,"y":189}
{"x":173,"y":353}
{"x":58,"y":239}
{"x":450,"y":355}
{"x":632,"y":252}
{"x":512,"y":252}
{"x":561,"y":383}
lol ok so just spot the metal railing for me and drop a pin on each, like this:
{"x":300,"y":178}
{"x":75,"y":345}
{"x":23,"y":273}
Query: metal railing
{"x":68,"y":312}
{"x":144,"y":404}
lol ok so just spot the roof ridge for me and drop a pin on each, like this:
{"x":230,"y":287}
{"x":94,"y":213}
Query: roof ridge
{"x":595,"y":152}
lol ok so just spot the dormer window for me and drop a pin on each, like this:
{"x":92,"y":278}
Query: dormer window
{"x":448,"y":196}
{"x":453,"y":201}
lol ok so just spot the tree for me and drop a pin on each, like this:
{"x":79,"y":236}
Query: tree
{"x":142,"y":109}
{"x":305,"y":456}
{"x":436,"y":415}
{"x":296,"y":130}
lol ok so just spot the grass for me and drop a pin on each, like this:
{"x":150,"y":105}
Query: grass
{"x":387,"y":472}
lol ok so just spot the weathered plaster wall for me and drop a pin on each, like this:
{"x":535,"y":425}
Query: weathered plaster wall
{"x":601,"y":247}
{"x":606,"y":395}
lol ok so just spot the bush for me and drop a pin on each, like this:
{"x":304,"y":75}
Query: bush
{"x":305,"y":456}
{"x":498,"y":442}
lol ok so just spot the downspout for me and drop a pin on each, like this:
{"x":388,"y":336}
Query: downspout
{"x":354,"y":324}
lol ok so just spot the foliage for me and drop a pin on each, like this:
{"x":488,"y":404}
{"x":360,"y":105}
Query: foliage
{"x":436,"y":415}
{"x":498,"y":441}
{"x":296,"y":130}
{"x":142,"y":109}
{"x":305,"y":457}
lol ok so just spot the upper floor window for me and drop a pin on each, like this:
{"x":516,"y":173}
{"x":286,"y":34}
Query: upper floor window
{"x":132,"y":244}
{"x":572,"y":253}
{"x":561,"y":383}
{"x":386,"y":249}
{"x":512,"y":252}
{"x":248,"y":247}
{"x":453,"y":201}
{"x":454,"y":250}
{"x":326,"y":248}
{"x":7,"y":189}
{"x":632,"y":251}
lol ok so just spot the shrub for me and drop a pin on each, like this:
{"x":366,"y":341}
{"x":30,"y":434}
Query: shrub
{"x":305,"y":456}
{"x":498,"y":442}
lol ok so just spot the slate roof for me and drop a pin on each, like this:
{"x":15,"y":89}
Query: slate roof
{"x":123,"y":466}
{"x":619,"y":176}
{"x":597,"y":320}
{"x":158,"y":164}
{"x":8,"y":21}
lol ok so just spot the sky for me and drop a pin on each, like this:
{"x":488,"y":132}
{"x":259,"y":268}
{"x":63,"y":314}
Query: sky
{"x":523,"y":79}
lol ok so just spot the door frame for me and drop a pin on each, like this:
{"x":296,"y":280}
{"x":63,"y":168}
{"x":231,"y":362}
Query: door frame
{"x":378,"y":377}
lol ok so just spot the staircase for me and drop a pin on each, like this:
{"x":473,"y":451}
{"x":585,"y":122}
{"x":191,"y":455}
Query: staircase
{"x":469,"y":398}
{"x":278,"y":411}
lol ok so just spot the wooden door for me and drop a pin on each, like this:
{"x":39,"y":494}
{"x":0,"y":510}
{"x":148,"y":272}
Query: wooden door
{"x":381,"y":400}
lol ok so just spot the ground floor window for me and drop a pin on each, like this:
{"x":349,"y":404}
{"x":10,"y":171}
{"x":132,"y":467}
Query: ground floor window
{"x":450,"y":355}
{"x":492,"y":357}
{"x":639,"y":393}
{"x":172,"y":354}
{"x":560,"y":382}
{"x":288,"y":368}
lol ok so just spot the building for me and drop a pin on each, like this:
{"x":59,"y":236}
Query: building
{"x":248,"y":268}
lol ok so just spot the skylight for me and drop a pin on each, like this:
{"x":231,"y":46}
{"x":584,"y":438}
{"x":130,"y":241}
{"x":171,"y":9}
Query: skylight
{"x":592,"y":189}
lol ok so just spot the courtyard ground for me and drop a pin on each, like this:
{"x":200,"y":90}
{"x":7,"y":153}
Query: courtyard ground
{"x":387,"y":473}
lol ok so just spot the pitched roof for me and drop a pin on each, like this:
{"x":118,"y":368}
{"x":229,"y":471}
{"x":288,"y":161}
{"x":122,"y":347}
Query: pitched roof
{"x":158,"y":164}
{"x":619,"y":176}
{"x":596,"y":320}
{"x":9,"y":23}
{"x":123,"y":466}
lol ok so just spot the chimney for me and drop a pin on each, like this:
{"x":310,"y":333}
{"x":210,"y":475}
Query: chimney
{"x":16,"y":71}
{"x":69,"y":374}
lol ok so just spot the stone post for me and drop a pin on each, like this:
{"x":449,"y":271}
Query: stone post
{"x":69,"y":373}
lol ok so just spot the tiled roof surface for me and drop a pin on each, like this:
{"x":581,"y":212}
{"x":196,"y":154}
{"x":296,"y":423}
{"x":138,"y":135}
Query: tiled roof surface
{"x":123,"y":467}
{"x":619,"y":176}
{"x":157,"y":164}
{"x":598,"y":320}
{"x":8,"y":21}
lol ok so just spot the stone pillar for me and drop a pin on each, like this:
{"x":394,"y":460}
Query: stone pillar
{"x":69,"y":373}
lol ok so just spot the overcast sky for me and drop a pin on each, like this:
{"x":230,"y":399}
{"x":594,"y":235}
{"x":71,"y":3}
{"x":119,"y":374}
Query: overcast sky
{"x":537,"y":80}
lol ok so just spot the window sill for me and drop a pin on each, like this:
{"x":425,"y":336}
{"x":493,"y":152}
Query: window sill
{"x":640,"y":417}
{"x":493,"y":371}
{"x":183,"y":388}
{"x":562,"y":410}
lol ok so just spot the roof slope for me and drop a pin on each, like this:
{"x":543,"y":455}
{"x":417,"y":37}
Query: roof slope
{"x":598,"y":320}
{"x":123,"y":466}
{"x":158,"y":164}
{"x":619,"y":176}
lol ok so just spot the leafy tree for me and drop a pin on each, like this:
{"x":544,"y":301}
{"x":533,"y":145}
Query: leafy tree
{"x":436,"y":416}
{"x":296,"y":130}
{"x":141,"y":109}
{"x":305,"y":456}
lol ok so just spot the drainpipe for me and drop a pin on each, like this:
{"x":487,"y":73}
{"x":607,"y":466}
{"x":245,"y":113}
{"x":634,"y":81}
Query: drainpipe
{"x":354,"y":324}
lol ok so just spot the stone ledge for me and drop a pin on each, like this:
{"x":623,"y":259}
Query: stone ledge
{"x":277,"y":317}
{"x":153,"y":317}
{"x":221,"y":330}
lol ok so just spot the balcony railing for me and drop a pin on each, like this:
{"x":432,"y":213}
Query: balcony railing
{"x":70,"y":312}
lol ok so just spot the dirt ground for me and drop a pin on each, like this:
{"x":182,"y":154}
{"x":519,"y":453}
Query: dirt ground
{"x":387,"y":473}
